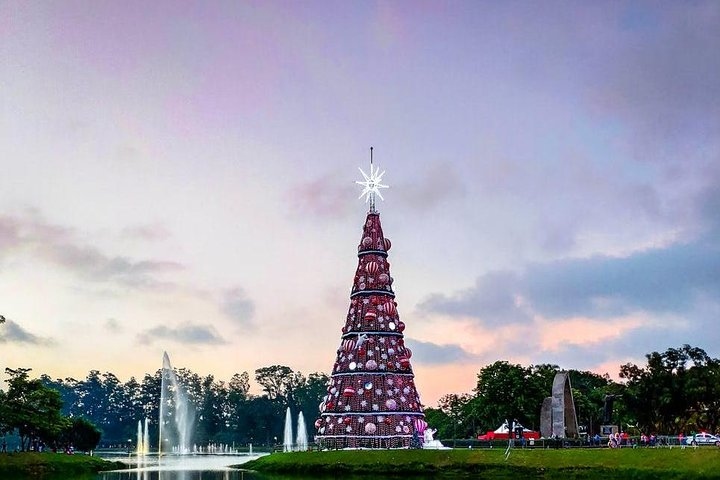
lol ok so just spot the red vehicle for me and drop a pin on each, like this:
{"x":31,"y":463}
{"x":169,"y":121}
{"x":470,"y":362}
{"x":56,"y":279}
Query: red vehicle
{"x":503,"y":433}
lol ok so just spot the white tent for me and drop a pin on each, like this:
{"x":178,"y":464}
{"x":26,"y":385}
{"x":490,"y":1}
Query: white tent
{"x":505,"y":429}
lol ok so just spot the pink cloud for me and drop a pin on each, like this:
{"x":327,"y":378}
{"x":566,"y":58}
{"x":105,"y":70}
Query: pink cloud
{"x":321,"y":197}
{"x":557,"y":334}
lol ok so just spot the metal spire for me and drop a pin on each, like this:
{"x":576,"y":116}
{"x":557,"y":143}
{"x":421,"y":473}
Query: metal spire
{"x":372,"y":183}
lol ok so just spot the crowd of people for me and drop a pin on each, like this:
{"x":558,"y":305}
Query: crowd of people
{"x":622,"y":439}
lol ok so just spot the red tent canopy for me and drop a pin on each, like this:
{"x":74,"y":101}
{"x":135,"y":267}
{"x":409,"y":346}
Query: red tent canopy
{"x":503,"y":433}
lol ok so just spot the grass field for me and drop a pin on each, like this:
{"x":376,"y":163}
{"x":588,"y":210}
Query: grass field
{"x":650,"y":463}
{"x":14,"y":465}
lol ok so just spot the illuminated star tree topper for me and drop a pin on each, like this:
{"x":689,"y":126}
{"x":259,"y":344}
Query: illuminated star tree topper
{"x":372,"y":183}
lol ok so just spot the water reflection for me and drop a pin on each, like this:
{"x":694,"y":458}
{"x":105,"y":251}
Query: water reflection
{"x":212,"y":467}
{"x":228,"y":475}
{"x":185,"y":467}
{"x":179,"y":475}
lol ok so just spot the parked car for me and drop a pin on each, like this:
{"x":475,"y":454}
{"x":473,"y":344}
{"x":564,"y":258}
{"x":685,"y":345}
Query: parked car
{"x":703,"y":438}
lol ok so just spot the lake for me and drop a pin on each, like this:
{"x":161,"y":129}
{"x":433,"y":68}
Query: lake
{"x":188,"y":467}
{"x":181,"y":467}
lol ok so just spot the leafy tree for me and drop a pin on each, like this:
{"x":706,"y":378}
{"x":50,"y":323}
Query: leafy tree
{"x":3,"y":409}
{"x":286,"y":388}
{"x":149,"y":398}
{"x":441,"y":421}
{"x":192,"y":384}
{"x":236,"y":398}
{"x":68,"y":393}
{"x":672,"y":392}
{"x":512,"y":392}
{"x":70,"y":390}
{"x":33,"y":409}
{"x":131,"y":409}
{"x":278,"y":381}
{"x":309,"y":395}
{"x":101,"y":399}
{"x":240,"y":385}
{"x":4,"y":414}
{"x":210,"y":413}
{"x":91,"y":398}
{"x":264,"y":420}
{"x":459,"y":415}
{"x":81,"y":434}
{"x":589,"y":390}
{"x":703,"y":386}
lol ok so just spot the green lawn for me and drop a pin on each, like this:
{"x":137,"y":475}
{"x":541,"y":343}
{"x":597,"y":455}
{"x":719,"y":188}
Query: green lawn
{"x":529,"y":463}
{"x":39,"y":464}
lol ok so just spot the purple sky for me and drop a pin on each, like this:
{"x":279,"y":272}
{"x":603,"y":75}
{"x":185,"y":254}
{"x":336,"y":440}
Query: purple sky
{"x":179,"y":176}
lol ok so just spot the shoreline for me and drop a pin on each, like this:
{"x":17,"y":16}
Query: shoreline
{"x":522,"y":463}
{"x":37,"y":464}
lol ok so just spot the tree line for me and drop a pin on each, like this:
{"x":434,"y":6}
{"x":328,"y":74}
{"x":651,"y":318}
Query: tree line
{"x":33,"y":411}
{"x":225,"y":412}
{"x":677,"y":390}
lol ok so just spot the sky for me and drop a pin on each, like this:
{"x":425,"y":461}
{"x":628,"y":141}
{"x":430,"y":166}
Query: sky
{"x":179,"y":176}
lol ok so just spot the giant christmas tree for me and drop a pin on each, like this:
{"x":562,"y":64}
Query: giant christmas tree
{"x":371,"y":400}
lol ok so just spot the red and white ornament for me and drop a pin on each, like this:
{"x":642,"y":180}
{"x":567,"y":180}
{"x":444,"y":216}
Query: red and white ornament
{"x":348,"y":344}
{"x":372,"y":268}
{"x":420,"y":425}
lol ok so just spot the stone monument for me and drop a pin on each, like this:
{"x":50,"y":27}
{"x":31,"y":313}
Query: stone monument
{"x":557,"y":416}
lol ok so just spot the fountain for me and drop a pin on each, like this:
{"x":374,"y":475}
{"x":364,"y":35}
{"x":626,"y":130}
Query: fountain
{"x":288,"y":434}
{"x":143,"y":438}
{"x":302,"y":440}
{"x":176,"y":416}
{"x":140,"y":450}
{"x":175,"y":424}
{"x":146,"y":437}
